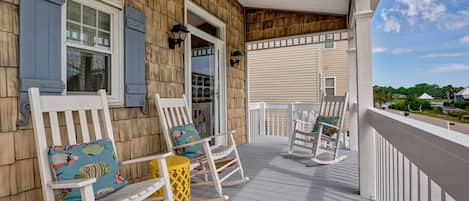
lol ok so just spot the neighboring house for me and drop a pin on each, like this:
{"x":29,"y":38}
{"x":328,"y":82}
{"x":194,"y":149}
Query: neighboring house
{"x":298,"y":68}
{"x":426,"y":96}
{"x":463,"y":95}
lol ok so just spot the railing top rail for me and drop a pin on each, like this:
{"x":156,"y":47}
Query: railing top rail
{"x":442,"y":154}
{"x":280,"y":105}
{"x":429,"y":129}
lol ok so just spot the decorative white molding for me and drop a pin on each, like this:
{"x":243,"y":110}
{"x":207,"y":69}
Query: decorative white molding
{"x":116,"y":3}
{"x":306,"y":39}
{"x":364,"y":14}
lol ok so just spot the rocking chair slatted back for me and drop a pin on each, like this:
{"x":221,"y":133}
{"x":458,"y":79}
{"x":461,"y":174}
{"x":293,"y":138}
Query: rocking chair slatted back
{"x":173,"y":112}
{"x":334,"y":106}
{"x":55,"y":106}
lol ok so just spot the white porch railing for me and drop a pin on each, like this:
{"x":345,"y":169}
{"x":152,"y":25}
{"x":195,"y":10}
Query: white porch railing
{"x":418,"y":161}
{"x":276,"y":119}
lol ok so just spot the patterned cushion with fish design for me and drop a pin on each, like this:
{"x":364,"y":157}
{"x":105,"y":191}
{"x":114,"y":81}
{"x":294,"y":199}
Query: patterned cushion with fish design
{"x":327,"y":130}
{"x":83,"y":161}
{"x":186,"y":134}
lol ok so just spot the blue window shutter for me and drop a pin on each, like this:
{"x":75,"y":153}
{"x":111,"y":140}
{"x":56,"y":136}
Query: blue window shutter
{"x":135,"y":85}
{"x":40,"y":50}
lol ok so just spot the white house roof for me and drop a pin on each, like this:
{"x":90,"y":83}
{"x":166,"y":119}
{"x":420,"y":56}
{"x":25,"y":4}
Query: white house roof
{"x":338,"y":7}
{"x":425,"y":96}
{"x":464,"y":92}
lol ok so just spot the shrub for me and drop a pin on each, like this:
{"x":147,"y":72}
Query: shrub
{"x":458,"y":114}
{"x":461,"y":104}
{"x":414,"y":104}
{"x":438,"y":110}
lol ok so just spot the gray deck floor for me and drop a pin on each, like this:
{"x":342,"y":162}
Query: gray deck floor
{"x":275,"y":177}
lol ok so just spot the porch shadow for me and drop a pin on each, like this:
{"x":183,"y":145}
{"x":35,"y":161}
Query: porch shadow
{"x":275,"y":177}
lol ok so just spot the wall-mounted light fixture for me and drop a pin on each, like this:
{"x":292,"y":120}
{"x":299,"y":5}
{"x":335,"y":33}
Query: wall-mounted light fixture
{"x":235,"y":57}
{"x":177,"y":35}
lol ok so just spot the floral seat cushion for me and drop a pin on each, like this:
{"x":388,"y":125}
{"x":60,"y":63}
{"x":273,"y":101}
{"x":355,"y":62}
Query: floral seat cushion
{"x":85,"y":161}
{"x":186,"y":134}
{"x":326,"y":130}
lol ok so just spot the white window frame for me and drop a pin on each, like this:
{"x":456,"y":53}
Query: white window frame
{"x":116,"y":97}
{"x":328,"y":87}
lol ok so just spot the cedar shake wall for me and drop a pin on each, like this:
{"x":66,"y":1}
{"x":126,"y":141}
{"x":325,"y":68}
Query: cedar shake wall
{"x":266,"y":24}
{"x":137,"y":134}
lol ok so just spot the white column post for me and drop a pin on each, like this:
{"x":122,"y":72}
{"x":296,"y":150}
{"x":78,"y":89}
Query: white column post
{"x":363,"y":15}
{"x":353,"y":114}
{"x":262,"y":119}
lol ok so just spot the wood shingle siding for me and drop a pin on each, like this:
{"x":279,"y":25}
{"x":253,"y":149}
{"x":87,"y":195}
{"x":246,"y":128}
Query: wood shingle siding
{"x":137,"y":134}
{"x":266,"y":24}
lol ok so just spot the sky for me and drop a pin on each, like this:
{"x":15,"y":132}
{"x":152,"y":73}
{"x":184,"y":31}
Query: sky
{"x":421,"y":41}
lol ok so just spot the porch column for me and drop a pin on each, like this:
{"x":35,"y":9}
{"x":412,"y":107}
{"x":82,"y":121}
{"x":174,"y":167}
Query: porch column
{"x":366,"y":145}
{"x":353,"y":115}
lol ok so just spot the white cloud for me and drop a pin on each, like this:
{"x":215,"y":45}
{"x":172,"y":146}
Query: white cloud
{"x":448,"y":68}
{"x":464,"y":39}
{"x":425,"y":9}
{"x":391,"y":24}
{"x":378,"y":50}
{"x":400,"y":51}
{"x":446,"y":54}
{"x":456,"y":20}
{"x":422,"y":12}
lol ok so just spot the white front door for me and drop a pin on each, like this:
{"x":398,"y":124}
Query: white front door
{"x":205,"y":73}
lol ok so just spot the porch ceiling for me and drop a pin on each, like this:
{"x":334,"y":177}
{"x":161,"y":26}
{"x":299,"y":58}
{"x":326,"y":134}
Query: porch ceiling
{"x":337,"y":7}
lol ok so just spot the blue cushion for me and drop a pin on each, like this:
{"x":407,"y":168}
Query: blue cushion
{"x":327,"y":130}
{"x":83,"y":161}
{"x":185,"y":134}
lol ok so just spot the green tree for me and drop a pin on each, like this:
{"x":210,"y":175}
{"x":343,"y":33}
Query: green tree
{"x":382,"y":95}
{"x":449,"y":93}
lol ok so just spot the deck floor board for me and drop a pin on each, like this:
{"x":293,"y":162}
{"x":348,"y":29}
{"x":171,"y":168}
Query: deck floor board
{"x":276,"y":177}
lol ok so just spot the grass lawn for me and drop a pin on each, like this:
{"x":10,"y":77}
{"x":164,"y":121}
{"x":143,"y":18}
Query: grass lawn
{"x":434,"y":114}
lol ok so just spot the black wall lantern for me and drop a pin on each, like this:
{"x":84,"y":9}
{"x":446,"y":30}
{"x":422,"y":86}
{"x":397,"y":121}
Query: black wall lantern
{"x":177,"y":35}
{"x":235,"y":57}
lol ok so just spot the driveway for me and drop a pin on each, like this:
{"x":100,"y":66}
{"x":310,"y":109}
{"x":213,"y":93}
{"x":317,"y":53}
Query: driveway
{"x":460,"y":127}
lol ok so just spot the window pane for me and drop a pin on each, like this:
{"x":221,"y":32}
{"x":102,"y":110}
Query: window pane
{"x":89,"y":36}
{"x":73,"y":11}
{"x":87,"y":71}
{"x":330,"y":92}
{"x":73,"y":31}
{"x":330,"y":82}
{"x":103,"y":39}
{"x":89,"y":16}
{"x":104,"y":21}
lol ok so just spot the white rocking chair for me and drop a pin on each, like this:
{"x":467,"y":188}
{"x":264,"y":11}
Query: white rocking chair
{"x":83,"y":104}
{"x":175,"y":112}
{"x":319,"y":143}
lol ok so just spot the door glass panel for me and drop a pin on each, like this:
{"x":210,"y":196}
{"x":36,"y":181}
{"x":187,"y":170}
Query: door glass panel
{"x":203,"y":86}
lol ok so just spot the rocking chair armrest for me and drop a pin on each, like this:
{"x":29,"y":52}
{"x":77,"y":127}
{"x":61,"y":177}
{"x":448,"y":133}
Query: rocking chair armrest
{"x":147,"y":158}
{"x":76,"y":183}
{"x":329,"y":125}
{"x":203,"y":140}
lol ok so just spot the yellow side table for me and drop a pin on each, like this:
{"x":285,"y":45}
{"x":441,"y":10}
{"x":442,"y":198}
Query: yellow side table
{"x":178,"y":169}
